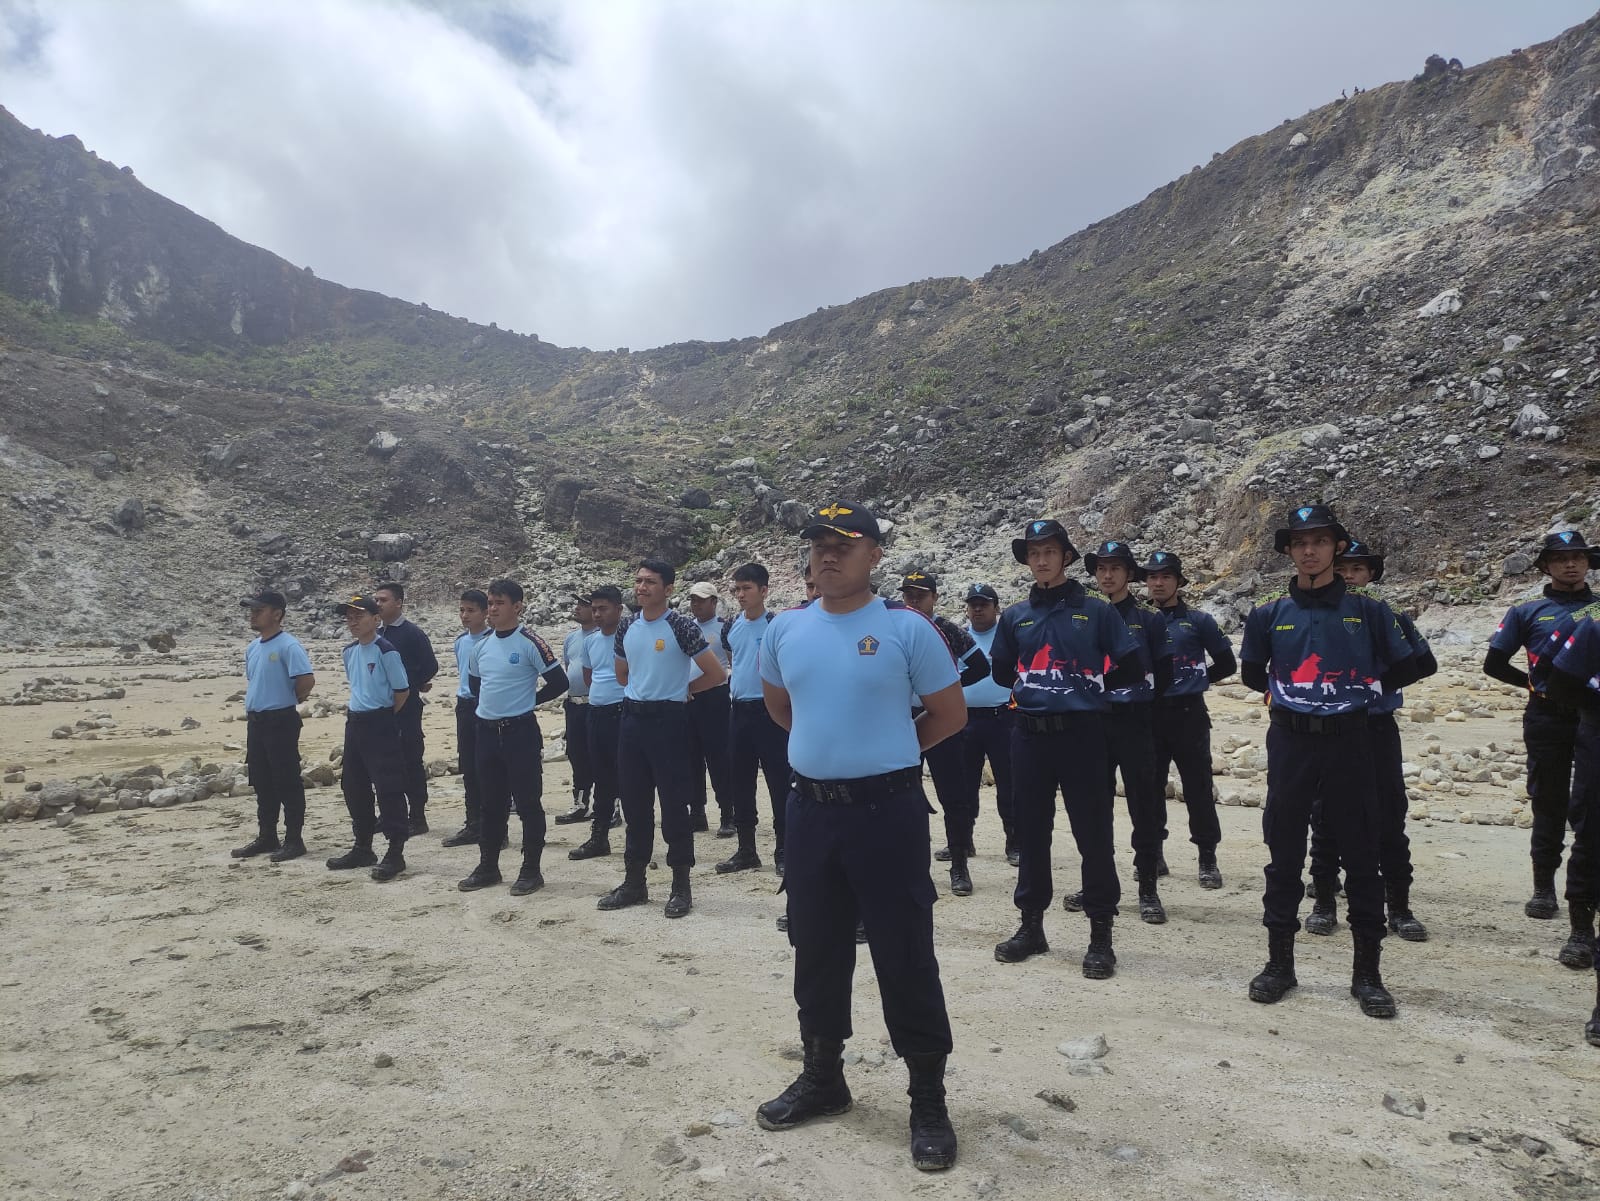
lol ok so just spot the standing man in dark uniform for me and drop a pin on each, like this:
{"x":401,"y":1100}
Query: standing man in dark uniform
{"x":1182,"y":725}
{"x":708,"y":718}
{"x":987,"y":737}
{"x":516,"y":672}
{"x":1323,"y":654}
{"x":599,"y":669}
{"x":757,"y":745}
{"x":1575,"y":680}
{"x":373,"y":760}
{"x":1130,"y":737}
{"x":1360,"y":568}
{"x":278,"y":677}
{"x":416,"y":652}
{"x":1548,"y":727}
{"x":474,"y":610}
{"x":947,"y":762}
{"x":841,"y":675}
{"x":576,"y":711}
{"x":653,"y":652}
{"x":1060,"y":651}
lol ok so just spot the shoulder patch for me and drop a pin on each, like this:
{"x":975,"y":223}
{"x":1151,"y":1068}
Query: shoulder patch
{"x":1271,"y":597}
{"x":384,"y":645}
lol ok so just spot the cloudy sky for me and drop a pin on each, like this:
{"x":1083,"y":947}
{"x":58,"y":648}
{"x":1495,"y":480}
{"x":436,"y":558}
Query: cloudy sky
{"x":634,"y":172}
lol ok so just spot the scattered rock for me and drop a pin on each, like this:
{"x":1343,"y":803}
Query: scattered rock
{"x":391,"y":548}
{"x":1442,"y":305}
{"x":1407,"y":1105}
{"x":129,"y":515}
{"x":697,"y":1129}
{"x":1487,"y":452}
{"x":1059,"y":1100}
{"x":59,"y":794}
{"x":1326,"y":436}
{"x":727,"y":1118}
{"x":695,"y":498}
{"x":383,"y":1060}
{"x":1516,"y":563}
{"x":1092,"y":1047}
{"x":771,"y":1159}
{"x":383,"y":444}
{"x":1018,"y":1125}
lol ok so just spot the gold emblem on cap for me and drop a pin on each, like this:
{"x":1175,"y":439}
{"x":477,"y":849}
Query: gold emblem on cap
{"x":834,"y":510}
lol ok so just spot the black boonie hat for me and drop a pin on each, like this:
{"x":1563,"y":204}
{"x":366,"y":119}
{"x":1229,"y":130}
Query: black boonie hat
{"x":1309,"y":517}
{"x":1566,"y":540}
{"x":1360,"y":551}
{"x":924,"y":581}
{"x":984,"y":592}
{"x":1113,"y":552}
{"x":364,"y":603}
{"x":842,"y":517}
{"x":1043,"y":530}
{"x":265,"y":598}
{"x":1167,"y":562}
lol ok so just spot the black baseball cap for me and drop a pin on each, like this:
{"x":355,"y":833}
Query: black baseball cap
{"x":1566,"y":540}
{"x":1309,"y":517}
{"x":1042,"y":530}
{"x":982,"y":592}
{"x":1112,"y":551}
{"x":924,"y":581}
{"x":1167,"y":562}
{"x":1359,"y":551}
{"x":842,"y":517}
{"x":264,"y":598}
{"x":364,"y":603}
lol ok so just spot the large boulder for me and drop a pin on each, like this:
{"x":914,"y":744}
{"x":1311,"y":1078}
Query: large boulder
{"x":391,"y":548}
{"x":619,"y":525}
{"x":561,"y":496}
{"x":59,"y":794}
{"x":383,"y":444}
{"x":129,"y":515}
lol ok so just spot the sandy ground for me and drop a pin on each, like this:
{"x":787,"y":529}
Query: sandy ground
{"x":179,"y":1024}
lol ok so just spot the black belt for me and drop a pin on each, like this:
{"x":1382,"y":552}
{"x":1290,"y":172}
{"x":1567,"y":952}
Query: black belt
{"x":1192,"y":700}
{"x":863,"y":790}
{"x":1053,"y":723}
{"x":368,"y":714}
{"x":578,"y":700}
{"x":988,"y":710}
{"x":651,"y":708}
{"x":1540,"y":701}
{"x":500,"y":723}
{"x":1315,"y":723}
{"x":749,"y":704}
{"x":270,"y":714}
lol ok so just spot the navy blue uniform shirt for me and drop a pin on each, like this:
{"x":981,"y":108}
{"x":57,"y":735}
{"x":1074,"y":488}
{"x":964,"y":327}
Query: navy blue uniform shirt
{"x":416,"y":652}
{"x":1195,"y":634}
{"x":1053,"y":650}
{"x":1539,"y":626}
{"x":1149,"y":626}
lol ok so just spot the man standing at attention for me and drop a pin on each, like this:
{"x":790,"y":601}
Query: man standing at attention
{"x":708,"y":718}
{"x":756,"y":743}
{"x":841,"y":675}
{"x":416,"y":652}
{"x":474,"y":609}
{"x":278,"y":677}
{"x":576,"y":710}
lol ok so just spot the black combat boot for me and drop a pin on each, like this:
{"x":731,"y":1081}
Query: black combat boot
{"x":697,"y":819}
{"x":360,"y":855}
{"x":681,"y":899}
{"x":1324,"y":915}
{"x":485,"y":875}
{"x":1543,"y":904}
{"x":293,"y":847}
{"x":1028,"y":940}
{"x":529,"y":879}
{"x":725,"y":826}
{"x":579,"y":811}
{"x":631,"y":891}
{"x":1150,"y":907}
{"x":819,"y":1091}
{"x":418,"y":824}
{"x":1401,"y":920}
{"x":261,"y":844}
{"x":933,"y":1139}
{"x":1013,"y":855}
{"x":392,"y":863}
{"x":744,"y":858}
{"x":1210,"y":873}
{"x":465,"y":837}
{"x":597,"y":844}
{"x":1366,"y":982}
{"x":1275,"y":980}
{"x":960,"y":877}
{"x":1161,"y":868}
{"x":777,"y":859}
{"x":1591,"y":1028}
{"x":1099,"y":961}
{"x":1578,"y":951}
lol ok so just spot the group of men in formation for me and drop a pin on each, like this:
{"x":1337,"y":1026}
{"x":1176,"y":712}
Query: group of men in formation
{"x":841,"y":702}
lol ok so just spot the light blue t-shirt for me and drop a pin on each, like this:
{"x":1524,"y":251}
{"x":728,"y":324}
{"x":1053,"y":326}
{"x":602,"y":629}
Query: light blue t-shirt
{"x":742,"y":638}
{"x":465,"y":642}
{"x":711,"y":631}
{"x":599,"y":656}
{"x":986,"y":694}
{"x":572,"y":659}
{"x":270,"y":669}
{"x":659,"y":654}
{"x":375,"y":673}
{"x":852,"y":679}
{"x":509,"y":666}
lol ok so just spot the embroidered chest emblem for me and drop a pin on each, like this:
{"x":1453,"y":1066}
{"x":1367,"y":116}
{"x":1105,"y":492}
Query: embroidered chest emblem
{"x":868,"y":646}
{"x":661,"y":644}
{"x":516,"y":656}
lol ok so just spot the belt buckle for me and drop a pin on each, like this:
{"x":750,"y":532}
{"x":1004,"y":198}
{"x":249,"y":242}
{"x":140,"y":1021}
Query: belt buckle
{"x":836,"y":793}
{"x":1315,"y":724}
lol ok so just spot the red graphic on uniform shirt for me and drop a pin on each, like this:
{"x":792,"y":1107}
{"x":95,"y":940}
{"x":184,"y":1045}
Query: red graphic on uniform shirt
{"x":1045,"y":671}
{"x":1306,"y":673}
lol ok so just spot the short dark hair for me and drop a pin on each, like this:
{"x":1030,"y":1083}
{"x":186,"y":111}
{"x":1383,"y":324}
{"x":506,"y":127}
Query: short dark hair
{"x":393,"y":586}
{"x":662,"y":568}
{"x":752,"y":573}
{"x":509,"y":589}
{"x":607,"y":592}
{"x":475,"y":596}
{"x":805,"y":570}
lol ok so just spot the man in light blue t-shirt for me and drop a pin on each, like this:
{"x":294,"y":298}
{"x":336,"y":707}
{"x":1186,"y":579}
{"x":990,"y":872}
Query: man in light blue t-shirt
{"x":653,"y":652}
{"x":575,"y":708}
{"x":277,"y":679}
{"x":842,"y":675}
{"x":474,"y":611}
{"x":597,"y":665}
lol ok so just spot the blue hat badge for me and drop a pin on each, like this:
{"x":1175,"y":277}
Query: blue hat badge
{"x":1566,"y":535}
{"x":1037,"y":526}
{"x":1161,"y":556}
{"x":1304,"y":513}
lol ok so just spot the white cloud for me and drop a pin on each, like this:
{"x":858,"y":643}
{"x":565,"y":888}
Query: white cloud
{"x":635,"y":172}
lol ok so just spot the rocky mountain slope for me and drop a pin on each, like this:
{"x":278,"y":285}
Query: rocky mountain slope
{"x":1389,"y":303}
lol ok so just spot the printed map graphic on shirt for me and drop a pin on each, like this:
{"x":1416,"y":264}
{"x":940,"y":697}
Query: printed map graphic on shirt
{"x":1049,"y":674}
